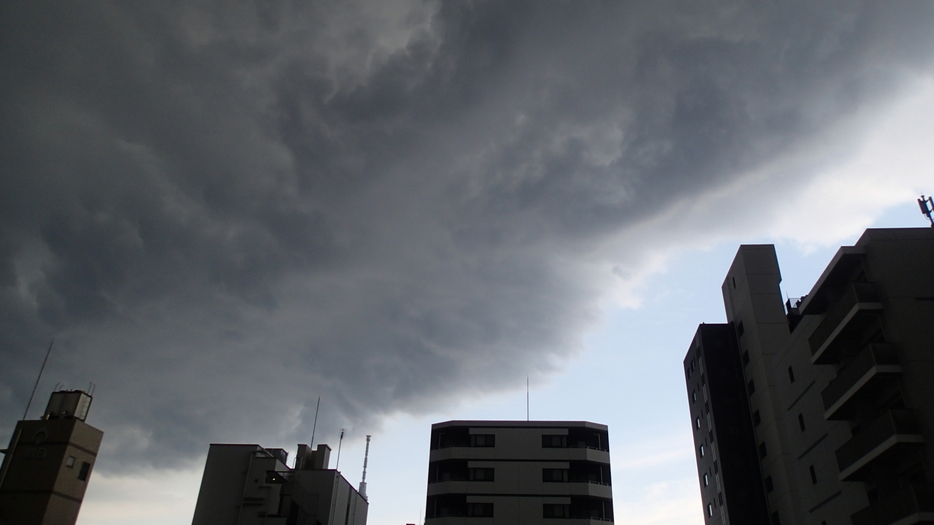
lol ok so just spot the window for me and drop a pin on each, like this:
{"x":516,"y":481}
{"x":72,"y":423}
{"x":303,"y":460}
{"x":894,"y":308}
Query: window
{"x":751,"y":387}
{"x":710,"y":509}
{"x":480,"y":510}
{"x":482,"y":440}
{"x":694,"y":396}
{"x":740,"y":330}
{"x":554,"y":442}
{"x":791,"y":375}
{"x":756,"y":418}
{"x":769,"y":486}
{"x":706,"y":479}
{"x":775,"y":518}
{"x":734,"y":281}
{"x":701,"y":451}
{"x":762,"y":450}
{"x":85,"y":471}
{"x":720,"y":498}
{"x":550,"y":510}
{"x":554,"y":475}
{"x":715,"y":469}
{"x":70,"y":462}
{"x":697,"y":422}
{"x":745,"y":358}
{"x":813,"y":475}
{"x":801,"y":421}
{"x":480,"y":474}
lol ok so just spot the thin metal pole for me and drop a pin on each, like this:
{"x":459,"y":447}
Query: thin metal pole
{"x":527,"y":412}
{"x":315,"y":426}
{"x":44,"y":361}
{"x":339,"y":443}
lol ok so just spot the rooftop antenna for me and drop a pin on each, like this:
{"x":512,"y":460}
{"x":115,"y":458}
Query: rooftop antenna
{"x":315,"y":425}
{"x":339,"y":442}
{"x":927,"y":208}
{"x":44,"y":361}
{"x":527,"y":398}
{"x":366,"y":456}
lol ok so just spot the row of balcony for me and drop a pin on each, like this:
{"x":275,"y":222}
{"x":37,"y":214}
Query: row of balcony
{"x":892,"y":430}
{"x":874,"y":366}
{"x":859,"y":300}
{"x":907,"y":501}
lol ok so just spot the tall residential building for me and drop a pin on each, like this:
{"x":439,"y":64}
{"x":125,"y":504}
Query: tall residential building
{"x":519,"y":473}
{"x":48,"y":463}
{"x":820,"y":410}
{"x":252,"y":485}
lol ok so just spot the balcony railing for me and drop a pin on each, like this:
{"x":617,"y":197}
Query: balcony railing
{"x":905,"y":502}
{"x":858,"y":297}
{"x":892,"y":428}
{"x":874,"y":360}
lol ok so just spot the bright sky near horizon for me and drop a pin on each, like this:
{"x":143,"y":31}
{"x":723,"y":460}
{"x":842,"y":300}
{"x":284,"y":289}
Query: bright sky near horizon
{"x":221,"y":212}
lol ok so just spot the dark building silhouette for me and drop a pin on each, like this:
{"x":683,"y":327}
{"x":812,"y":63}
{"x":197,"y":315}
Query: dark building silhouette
{"x":837,"y":389}
{"x":48,"y":464}
{"x":249,"y":484}
{"x":519,"y":473}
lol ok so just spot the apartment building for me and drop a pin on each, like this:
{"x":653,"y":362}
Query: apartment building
{"x":519,"y":473}
{"x":836,"y":387}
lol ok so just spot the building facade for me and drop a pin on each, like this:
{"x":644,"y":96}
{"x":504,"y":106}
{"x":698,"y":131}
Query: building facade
{"x":48,"y":464}
{"x":519,"y":473}
{"x":252,"y":485}
{"x":837,"y":386}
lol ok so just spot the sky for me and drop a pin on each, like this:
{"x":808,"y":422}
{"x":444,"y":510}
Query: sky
{"x":221,"y":211}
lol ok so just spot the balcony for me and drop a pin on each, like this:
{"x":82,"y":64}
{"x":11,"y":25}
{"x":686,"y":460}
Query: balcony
{"x":873,"y":366}
{"x":893,"y":429}
{"x":858,"y":301}
{"x":907,"y":505}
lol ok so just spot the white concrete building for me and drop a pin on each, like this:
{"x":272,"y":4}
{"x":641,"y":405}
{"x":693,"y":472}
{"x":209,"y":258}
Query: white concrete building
{"x":519,"y":473}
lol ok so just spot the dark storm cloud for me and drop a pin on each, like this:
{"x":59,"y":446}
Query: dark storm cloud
{"x":221,"y":211}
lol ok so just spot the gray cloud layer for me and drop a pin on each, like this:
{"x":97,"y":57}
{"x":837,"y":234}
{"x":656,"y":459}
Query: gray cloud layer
{"x":222,"y":210}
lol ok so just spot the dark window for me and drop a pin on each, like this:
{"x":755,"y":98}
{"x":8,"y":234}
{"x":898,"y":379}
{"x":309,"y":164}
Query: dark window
{"x":710,"y":434}
{"x":558,"y":475}
{"x":694,"y":396}
{"x":480,"y":510}
{"x":740,"y":330}
{"x":550,"y":510}
{"x":715,"y":469}
{"x":480,"y":474}
{"x":734,"y":281}
{"x":769,"y":486}
{"x":762,"y":450}
{"x":554,"y":441}
{"x":775,"y":518}
{"x":801,"y":421}
{"x":756,"y":418}
{"x":720,"y":498}
{"x":791,"y":375}
{"x":85,"y":471}
{"x":751,"y":387}
{"x":813,"y":475}
{"x":745,"y":358}
{"x":482,"y":440}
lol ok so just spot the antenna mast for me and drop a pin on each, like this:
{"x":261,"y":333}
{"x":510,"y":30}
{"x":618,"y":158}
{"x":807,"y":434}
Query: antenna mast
{"x":339,"y":443}
{"x":44,"y":361}
{"x":315,"y":425}
{"x":927,"y":208}
{"x":366,"y":456}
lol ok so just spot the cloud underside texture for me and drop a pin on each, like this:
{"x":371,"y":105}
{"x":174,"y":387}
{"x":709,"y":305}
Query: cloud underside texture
{"x":223,"y":210}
